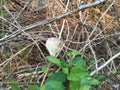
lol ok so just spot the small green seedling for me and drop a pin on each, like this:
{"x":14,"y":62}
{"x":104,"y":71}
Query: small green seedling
{"x":72,"y":75}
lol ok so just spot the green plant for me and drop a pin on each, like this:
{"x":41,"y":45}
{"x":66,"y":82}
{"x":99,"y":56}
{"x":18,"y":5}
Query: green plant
{"x":71,"y":76}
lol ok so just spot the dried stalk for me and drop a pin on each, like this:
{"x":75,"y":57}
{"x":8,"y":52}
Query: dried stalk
{"x":39,"y":23}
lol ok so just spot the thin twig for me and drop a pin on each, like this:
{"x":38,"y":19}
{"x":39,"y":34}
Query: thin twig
{"x":39,"y":23}
{"x":48,"y":68}
{"x":62,"y":27}
{"x":105,"y":64}
{"x":94,"y":55}
{"x":15,"y":20}
{"x":9,"y":59}
{"x":88,"y":40}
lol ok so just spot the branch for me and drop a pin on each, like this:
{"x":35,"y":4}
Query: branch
{"x":39,"y":23}
{"x":105,"y":64}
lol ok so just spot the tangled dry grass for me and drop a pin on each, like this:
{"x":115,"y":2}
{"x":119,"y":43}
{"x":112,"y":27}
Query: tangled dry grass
{"x":94,"y":31}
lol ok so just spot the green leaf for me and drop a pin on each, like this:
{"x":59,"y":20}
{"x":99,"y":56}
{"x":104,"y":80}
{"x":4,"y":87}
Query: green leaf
{"x":50,"y":74}
{"x":44,"y":68}
{"x":77,"y":73}
{"x":15,"y":86}
{"x":73,"y":53}
{"x":101,"y":77}
{"x":64,"y":63}
{"x":59,"y":76}
{"x":87,"y":87}
{"x":33,"y":87}
{"x":43,"y":87}
{"x":65,"y":70}
{"x":54,"y":85}
{"x":53,"y":60}
{"x":84,"y":81}
{"x":74,"y":85}
{"x":78,"y":62}
{"x":94,"y":82}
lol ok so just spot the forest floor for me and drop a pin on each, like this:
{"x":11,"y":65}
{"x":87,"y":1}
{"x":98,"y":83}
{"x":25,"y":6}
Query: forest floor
{"x":25,"y":25}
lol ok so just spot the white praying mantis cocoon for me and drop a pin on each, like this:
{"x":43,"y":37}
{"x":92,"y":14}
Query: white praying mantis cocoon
{"x":54,"y":46}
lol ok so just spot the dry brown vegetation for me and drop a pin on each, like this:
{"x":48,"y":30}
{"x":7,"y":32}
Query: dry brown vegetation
{"x":94,"y":31}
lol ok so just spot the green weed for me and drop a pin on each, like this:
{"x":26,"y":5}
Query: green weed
{"x":72,"y":75}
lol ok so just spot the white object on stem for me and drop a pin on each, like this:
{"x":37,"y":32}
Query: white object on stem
{"x":54,"y":46}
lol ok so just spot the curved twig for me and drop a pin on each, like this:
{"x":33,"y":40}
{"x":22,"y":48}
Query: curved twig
{"x":39,"y":23}
{"x":105,"y":64}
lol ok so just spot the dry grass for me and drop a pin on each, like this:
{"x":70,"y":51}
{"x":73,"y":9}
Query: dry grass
{"x":94,"y":31}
